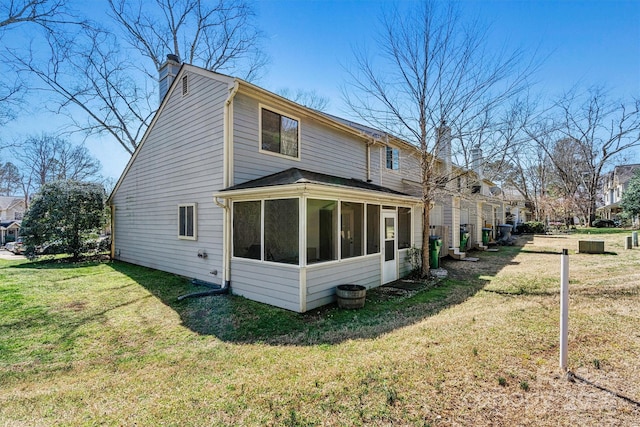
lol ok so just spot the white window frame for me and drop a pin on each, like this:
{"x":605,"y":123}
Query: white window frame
{"x":287,"y":115}
{"x":393,"y":150}
{"x":195,"y":221}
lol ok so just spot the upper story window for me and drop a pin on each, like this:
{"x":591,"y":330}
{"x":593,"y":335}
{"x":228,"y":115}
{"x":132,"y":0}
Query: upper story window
{"x":280,"y":134}
{"x":393,"y":158}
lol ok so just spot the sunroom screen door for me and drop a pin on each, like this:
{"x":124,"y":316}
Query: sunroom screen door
{"x":390,"y":246}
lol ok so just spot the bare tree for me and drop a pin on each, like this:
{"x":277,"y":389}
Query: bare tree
{"x":46,"y":13}
{"x":588,"y":133}
{"x":432,"y":71}
{"x":48,"y":158}
{"x":49,"y":16}
{"x":96,"y":85}
{"x":216,"y":35}
{"x":106,"y":87}
{"x":308,"y":98}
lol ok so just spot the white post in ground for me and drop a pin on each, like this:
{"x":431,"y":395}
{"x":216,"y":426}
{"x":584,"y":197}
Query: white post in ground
{"x":564,"y":308}
{"x":634,"y":234}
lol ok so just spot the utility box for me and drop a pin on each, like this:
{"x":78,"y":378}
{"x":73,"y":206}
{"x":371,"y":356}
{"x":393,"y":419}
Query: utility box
{"x":591,"y":246}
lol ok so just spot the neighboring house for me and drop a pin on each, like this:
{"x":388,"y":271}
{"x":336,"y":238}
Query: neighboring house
{"x":235,"y":185}
{"x":518,"y":210}
{"x":614,"y":185}
{"x":11,"y":213}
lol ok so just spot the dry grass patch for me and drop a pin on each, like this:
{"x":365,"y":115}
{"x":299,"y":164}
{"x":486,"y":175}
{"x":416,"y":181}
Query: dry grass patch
{"x":108,"y":343}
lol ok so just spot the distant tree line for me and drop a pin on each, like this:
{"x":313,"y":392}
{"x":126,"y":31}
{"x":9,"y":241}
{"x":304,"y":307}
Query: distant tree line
{"x":44,"y":159}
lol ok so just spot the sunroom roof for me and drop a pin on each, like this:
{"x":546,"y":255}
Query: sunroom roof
{"x":301,"y":176}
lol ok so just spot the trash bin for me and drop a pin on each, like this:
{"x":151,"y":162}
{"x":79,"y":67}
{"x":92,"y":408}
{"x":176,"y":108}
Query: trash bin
{"x":505,"y":231}
{"x":464,"y":238}
{"x":485,"y":236}
{"x":435,"y":242}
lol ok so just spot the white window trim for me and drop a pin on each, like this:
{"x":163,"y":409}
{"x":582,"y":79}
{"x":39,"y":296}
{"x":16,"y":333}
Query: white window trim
{"x":384,"y":155}
{"x":282,"y":113}
{"x":195,"y":221}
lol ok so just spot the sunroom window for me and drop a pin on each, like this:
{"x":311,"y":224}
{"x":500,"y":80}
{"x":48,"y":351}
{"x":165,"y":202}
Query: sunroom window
{"x":279,"y":133}
{"x":322,"y":223}
{"x":373,"y":229}
{"x":351,"y":229}
{"x":404,"y":228}
{"x":280,"y":223}
{"x":246,"y":230}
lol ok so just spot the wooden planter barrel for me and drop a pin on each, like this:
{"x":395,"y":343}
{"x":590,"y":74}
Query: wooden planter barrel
{"x":351,"y":296}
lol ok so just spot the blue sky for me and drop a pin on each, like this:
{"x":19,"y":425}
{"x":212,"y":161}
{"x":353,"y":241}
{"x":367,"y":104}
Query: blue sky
{"x":309,"y":42}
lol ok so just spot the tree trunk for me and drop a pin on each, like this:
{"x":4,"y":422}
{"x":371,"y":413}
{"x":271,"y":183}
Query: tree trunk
{"x":425,"y":237}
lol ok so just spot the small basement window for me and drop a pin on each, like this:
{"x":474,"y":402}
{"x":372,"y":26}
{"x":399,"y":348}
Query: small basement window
{"x":187,"y":221}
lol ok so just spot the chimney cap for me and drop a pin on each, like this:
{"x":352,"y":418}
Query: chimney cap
{"x":173,"y":57}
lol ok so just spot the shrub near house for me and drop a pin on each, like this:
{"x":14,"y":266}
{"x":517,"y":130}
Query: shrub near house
{"x":65,"y":214}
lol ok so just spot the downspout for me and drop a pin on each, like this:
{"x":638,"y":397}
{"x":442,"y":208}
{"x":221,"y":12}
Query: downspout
{"x":226,"y":179}
{"x":113,"y":231}
{"x":369,"y":161}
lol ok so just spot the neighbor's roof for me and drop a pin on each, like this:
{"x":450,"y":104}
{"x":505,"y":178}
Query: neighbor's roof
{"x":300,"y":176}
{"x":7,"y":224}
{"x":625,"y":172}
{"x":9,"y":201}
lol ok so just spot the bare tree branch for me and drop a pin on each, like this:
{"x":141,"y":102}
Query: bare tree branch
{"x":432,"y":71}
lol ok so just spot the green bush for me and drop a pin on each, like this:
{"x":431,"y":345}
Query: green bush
{"x":535,"y":227}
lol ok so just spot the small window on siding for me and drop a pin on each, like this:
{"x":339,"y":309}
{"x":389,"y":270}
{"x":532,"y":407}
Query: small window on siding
{"x":185,"y":85}
{"x":187,"y":221}
{"x":393,"y":158}
{"x":279,"y":134}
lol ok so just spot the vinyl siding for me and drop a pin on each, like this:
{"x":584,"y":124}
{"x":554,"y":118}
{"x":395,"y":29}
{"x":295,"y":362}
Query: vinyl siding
{"x":409,"y":170}
{"x":404,"y":265}
{"x":321,"y":148}
{"x":323,"y":278}
{"x":180,"y":162}
{"x":269,"y":283}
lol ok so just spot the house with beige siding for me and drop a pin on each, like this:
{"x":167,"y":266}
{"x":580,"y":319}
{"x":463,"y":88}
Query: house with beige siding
{"x":11,"y":212}
{"x":238,"y":187}
{"x":614,"y":184}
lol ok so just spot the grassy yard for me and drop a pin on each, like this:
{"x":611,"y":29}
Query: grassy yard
{"x":108,"y":343}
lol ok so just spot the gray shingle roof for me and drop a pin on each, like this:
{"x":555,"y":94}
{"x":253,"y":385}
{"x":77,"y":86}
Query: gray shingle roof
{"x":300,"y":176}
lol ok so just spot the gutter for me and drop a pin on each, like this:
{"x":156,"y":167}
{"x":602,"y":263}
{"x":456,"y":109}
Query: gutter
{"x":227,"y":159}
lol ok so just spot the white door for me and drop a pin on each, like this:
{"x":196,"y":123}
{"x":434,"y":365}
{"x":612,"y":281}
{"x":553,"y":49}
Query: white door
{"x":389,"y":247}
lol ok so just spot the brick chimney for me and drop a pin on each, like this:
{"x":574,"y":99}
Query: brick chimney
{"x":167,"y":74}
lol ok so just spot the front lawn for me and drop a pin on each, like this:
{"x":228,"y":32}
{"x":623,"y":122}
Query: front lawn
{"x":108,"y":343}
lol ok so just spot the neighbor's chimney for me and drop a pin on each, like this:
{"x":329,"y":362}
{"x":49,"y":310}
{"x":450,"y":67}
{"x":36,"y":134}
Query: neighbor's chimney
{"x":476,"y":161}
{"x":443,"y":144}
{"x":168,"y":72}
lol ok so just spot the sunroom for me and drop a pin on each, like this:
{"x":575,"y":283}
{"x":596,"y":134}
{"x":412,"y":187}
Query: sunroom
{"x":296,"y":235}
